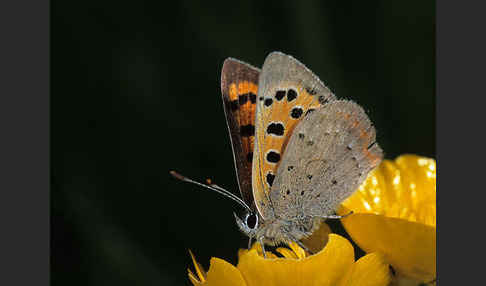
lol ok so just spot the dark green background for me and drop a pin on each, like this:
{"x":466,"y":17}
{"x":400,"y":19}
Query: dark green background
{"x":136,"y":93}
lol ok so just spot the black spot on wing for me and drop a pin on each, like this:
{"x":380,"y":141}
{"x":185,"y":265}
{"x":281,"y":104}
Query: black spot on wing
{"x":296,"y":112}
{"x":252,"y":97}
{"x":273,"y":157}
{"x":268,"y":102}
{"x":270,"y":178}
{"x":234,"y":105}
{"x":247,"y":130}
{"x":242,"y":99}
{"x":311,"y":91}
{"x":323,"y":100}
{"x":279,"y":95}
{"x":371,"y":145}
{"x":309,"y":111}
{"x":276,"y":128}
{"x":291,"y":95}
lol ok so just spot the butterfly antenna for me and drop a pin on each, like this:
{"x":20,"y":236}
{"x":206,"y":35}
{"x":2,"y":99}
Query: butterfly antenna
{"x":213,"y":187}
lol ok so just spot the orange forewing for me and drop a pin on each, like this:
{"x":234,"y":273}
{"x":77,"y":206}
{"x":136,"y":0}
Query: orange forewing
{"x":281,"y":113}
{"x":239,"y":87}
{"x":287,"y":92}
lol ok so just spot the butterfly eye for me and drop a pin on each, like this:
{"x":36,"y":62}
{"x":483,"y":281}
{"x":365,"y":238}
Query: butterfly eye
{"x":252,"y":221}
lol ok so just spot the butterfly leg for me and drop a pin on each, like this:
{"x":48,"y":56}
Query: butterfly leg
{"x":260,"y":240}
{"x":299,"y":243}
{"x":249,"y":242}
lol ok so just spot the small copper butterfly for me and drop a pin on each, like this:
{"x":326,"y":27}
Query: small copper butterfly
{"x":298,"y":151}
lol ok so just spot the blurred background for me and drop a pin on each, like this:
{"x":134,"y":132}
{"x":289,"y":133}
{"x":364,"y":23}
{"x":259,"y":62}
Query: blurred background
{"x":136,"y":93}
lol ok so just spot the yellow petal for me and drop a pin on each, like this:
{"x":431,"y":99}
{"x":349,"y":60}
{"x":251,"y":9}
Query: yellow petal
{"x":404,"y":188}
{"x":201,"y":274}
{"x":297,"y":250}
{"x":395,"y":213}
{"x":369,"y":270}
{"x":195,"y":281}
{"x":408,"y":246}
{"x":401,"y":280}
{"x":287,"y":253}
{"x":325,"y":268}
{"x":224,"y":274}
{"x":221,"y":273}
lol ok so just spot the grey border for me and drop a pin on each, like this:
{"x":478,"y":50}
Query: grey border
{"x":461,"y":160}
{"x":24,"y":143}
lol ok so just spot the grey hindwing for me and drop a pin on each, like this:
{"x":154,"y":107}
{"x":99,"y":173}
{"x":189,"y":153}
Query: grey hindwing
{"x":330,"y":153}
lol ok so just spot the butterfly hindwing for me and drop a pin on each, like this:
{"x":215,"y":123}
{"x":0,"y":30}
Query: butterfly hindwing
{"x":327,"y":158}
{"x":287,"y":92}
{"x":239,"y":86}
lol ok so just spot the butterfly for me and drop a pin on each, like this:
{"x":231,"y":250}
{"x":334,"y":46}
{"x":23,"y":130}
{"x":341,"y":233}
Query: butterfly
{"x":298,"y":150}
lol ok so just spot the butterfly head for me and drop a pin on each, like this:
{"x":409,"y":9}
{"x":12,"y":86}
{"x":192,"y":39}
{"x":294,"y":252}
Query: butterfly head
{"x":249,"y":224}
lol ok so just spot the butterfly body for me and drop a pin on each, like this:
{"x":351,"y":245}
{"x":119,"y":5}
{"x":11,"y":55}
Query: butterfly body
{"x":307,"y":151}
{"x":298,"y":150}
{"x":279,"y":230}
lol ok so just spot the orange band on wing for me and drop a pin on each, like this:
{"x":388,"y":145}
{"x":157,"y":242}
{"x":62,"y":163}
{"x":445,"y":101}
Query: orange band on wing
{"x":273,"y":131}
{"x":363,"y":134}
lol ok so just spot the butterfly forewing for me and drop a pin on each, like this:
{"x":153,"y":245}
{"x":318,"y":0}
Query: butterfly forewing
{"x":239,"y":86}
{"x":287,"y":92}
{"x":328,"y":156}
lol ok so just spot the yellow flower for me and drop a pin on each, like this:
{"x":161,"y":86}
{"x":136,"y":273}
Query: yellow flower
{"x":333,"y":265}
{"x":395,"y":213}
